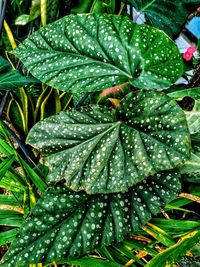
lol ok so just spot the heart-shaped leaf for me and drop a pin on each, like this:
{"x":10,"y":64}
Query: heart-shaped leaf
{"x":95,"y":52}
{"x":70,"y":224}
{"x":167,"y":15}
{"x":101,"y":150}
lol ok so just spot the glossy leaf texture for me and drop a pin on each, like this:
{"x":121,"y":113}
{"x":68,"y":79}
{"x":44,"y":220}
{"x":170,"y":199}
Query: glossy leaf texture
{"x":102,"y":150}
{"x":12,"y":79}
{"x":167,"y":15}
{"x":70,"y":224}
{"x":95,"y":52}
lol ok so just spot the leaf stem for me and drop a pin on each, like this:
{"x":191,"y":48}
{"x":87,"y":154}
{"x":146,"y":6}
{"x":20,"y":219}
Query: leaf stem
{"x":121,"y":8}
{"x":44,"y":12}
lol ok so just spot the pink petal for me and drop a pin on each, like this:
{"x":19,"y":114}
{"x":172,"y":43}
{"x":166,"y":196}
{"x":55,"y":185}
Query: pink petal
{"x":187,"y":56}
{"x":191,"y":49}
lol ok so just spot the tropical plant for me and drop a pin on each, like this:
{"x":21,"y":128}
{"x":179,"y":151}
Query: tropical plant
{"x":167,"y":15}
{"x":124,"y":157}
{"x":127,"y":147}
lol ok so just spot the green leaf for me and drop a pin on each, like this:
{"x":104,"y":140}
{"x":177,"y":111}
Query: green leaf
{"x":52,"y":10}
{"x":94,"y":6}
{"x":167,"y":15}
{"x":191,"y":169}
{"x":11,"y":218}
{"x":183,"y":92}
{"x":39,"y":183}
{"x":5,"y":165}
{"x":69,"y":224}
{"x":22,"y":20}
{"x":159,"y":234}
{"x":175,"y":226}
{"x":91,"y":261}
{"x":8,"y":236}
{"x":68,"y":55}
{"x":98,"y":149}
{"x":11,"y":79}
{"x":193,"y":118}
{"x":175,"y":252}
{"x":9,"y":200}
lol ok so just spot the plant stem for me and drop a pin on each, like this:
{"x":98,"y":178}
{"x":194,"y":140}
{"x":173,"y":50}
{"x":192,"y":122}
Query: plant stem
{"x":44,"y":12}
{"x":121,"y":8}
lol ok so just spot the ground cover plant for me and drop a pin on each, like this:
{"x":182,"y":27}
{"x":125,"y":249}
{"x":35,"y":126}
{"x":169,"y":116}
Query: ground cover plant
{"x":100,"y":138}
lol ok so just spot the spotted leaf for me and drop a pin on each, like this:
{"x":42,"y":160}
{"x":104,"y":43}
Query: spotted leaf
{"x":101,"y":150}
{"x":70,"y":224}
{"x":95,"y":52}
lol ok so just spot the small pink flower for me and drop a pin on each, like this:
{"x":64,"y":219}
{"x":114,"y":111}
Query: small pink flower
{"x":191,"y":49}
{"x":189,"y":53}
{"x":187,"y":56}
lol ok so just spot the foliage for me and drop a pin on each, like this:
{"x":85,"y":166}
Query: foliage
{"x":118,"y":148}
{"x":23,"y":182}
{"x":127,"y":134}
{"x":65,"y":223}
{"x":28,"y":105}
{"x":12,"y":79}
{"x":167,"y":15}
{"x":121,"y":52}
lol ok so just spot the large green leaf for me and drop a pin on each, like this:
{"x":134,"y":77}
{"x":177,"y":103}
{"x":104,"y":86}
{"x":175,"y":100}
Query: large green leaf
{"x":12,"y":79}
{"x":167,"y":15}
{"x":95,"y":52}
{"x":69,"y":224}
{"x":98,"y":149}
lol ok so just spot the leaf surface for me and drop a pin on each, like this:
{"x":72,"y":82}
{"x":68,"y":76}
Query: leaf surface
{"x":12,"y":79}
{"x":193,"y":118}
{"x":167,"y":15}
{"x":191,"y":169}
{"x":175,"y":252}
{"x":93,"y":261}
{"x":183,"y":92}
{"x":101,"y":150}
{"x":70,"y":224}
{"x":96,"y":52}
